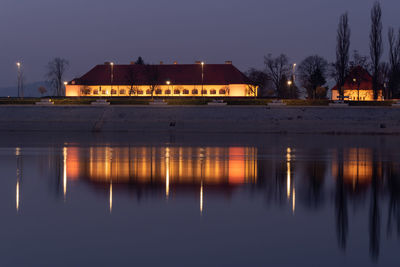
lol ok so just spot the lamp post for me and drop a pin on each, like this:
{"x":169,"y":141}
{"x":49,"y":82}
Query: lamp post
{"x":19,"y":80}
{"x":65,"y":88}
{"x":294,"y":71}
{"x":168,"y":83}
{"x":202,"y":77}
{"x":112,"y":75}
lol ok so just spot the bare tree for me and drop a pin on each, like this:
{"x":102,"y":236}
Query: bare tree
{"x":55,"y":74}
{"x":276,"y":69}
{"x":394,"y":63}
{"x":256,"y":80}
{"x":342,"y":53}
{"x":131,"y":79}
{"x":153,"y":78}
{"x":376,"y":47}
{"x":312,"y":73}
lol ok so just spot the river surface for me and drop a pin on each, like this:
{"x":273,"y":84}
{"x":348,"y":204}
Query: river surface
{"x":199,"y":200}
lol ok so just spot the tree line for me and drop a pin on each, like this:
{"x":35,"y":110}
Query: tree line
{"x":278,"y":77}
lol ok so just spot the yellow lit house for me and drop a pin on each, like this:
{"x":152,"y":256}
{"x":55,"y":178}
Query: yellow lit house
{"x":357,"y":87}
{"x":163,"y":80}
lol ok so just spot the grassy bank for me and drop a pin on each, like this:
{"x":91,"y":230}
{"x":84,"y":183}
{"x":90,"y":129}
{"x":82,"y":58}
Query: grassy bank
{"x":185,"y":101}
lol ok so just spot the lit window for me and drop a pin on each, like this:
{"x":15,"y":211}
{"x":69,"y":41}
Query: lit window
{"x":122,"y":92}
{"x":140,"y":92}
{"x":148,"y":92}
{"x":177,"y":92}
{"x":222,"y":91}
{"x":113,"y":92}
{"x":204,"y":92}
{"x":185,"y":92}
{"x":195,"y":92}
{"x":168,"y":92}
{"x":96,"y":92}
{"x":213,"y":92}
{"x":158,"y":92}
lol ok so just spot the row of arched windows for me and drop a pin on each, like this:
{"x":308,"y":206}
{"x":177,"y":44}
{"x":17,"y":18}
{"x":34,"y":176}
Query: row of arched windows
{"x":157,"y":92}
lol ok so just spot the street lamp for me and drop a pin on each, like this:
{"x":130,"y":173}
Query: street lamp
{"x":65,"y":88}
{"x":202,"y":77}
{"x":294,"y":71}
{"x":19,"y":79}
{"x":168,"y":83}
{"x":289,"y":83}
{"x":112,"y":74}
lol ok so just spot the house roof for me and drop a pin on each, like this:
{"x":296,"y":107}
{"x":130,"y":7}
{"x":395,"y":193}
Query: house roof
{"x":183,"y":74}
{"x":358,"y":78}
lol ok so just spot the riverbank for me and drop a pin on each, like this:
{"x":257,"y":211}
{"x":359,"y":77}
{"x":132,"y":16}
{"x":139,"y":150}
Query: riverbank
{"x":201,"y":119}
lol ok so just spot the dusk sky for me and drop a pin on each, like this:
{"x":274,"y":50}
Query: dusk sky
{"x":89,"y":32}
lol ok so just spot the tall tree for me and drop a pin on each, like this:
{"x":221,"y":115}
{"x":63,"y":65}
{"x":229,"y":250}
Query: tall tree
{"x":55,"y":74}
{"x":257,"y":79}
{"x":342,"y":53}
{"x":312,"y":74}
{"x":131,"y":79}
{"x":153,"y":77}
{"x":394,"y":63}
{"x":376,"y":47}
{"x":277,"y":69}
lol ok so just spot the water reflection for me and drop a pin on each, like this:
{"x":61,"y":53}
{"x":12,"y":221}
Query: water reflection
{"x":357,"y":176}
{"x":164,"y":165}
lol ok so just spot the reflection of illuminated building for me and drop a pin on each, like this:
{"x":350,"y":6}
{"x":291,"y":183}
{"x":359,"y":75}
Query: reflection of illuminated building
{"x":169,"y":165}
{"x":172,"y":166}
{"x":357,"y":166}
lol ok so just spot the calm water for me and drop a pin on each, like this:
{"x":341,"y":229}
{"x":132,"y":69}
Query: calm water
{"x":193,"y":200}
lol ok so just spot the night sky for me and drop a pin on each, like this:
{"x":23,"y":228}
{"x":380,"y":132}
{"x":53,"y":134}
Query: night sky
{"x":89,"y":32}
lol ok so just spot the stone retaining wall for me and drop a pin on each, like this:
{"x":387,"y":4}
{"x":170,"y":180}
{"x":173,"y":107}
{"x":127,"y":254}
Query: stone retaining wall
{"x":236,"y":119}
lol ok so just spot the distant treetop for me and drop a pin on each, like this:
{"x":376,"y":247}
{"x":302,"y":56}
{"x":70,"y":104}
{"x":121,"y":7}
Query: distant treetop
{"x":139,"y":61}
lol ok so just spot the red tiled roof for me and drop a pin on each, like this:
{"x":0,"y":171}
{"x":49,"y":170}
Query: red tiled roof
{"x":184,"y":74}
{"x":361,"y":75}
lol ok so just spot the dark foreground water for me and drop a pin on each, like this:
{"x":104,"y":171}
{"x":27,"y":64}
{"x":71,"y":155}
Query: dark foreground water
{"x":199,"y":200}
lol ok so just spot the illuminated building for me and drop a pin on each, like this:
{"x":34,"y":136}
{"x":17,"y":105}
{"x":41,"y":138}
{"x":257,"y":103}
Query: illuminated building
{"x":357,"y":87}
{"x":174,"y":80}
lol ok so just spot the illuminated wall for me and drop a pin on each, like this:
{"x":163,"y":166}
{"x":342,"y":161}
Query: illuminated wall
{"x":182,"y":165}
{"x":161,"y":90}
{"x":357,"y":95}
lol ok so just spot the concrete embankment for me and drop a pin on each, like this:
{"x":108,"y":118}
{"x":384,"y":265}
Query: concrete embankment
{"x":235,"y":119}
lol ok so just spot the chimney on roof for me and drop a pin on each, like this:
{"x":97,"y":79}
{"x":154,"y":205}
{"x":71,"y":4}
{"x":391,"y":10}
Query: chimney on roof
{"x":161,"y":62}
{"x":107,"y":63}
{"x":198,"y":62}
{"x":228,"y":62}
{"x":175,"y":62}
{"x":132,"y":62}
